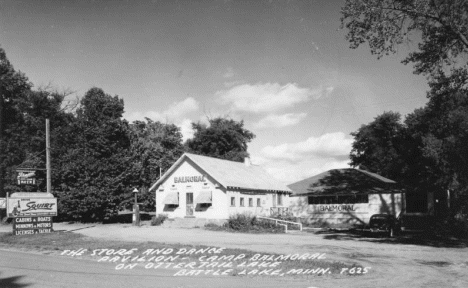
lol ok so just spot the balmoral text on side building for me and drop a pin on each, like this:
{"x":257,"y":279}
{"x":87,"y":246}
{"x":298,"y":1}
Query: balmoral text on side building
{"x":345,"y":198}
{"x":213,"y":189}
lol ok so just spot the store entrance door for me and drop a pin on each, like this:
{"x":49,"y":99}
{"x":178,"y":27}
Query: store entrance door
{"x":189,"y":203}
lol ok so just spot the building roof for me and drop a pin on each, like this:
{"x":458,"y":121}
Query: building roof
{"x":344,"y":181}
{"x":230,"y":174}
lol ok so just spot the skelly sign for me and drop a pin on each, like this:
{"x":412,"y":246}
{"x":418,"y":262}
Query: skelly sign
{"x":26,"y":177}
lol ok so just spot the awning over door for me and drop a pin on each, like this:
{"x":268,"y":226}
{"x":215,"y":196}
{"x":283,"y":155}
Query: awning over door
{"x":172,"y":198}
{"x":204,"y":197}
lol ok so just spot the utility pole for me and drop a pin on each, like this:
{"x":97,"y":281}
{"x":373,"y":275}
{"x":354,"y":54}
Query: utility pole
{"x":2,"y":191}
{"x":49,"y":186}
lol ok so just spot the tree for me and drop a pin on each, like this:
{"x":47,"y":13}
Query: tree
{"x":427,"y":153}
{"x":441,"y":129}
{"x":440,"y":27}
{"x":222,"y":138}
{"x":92,"y":176}
{"x":154,"y":148}
{"x":14,"y":87}
{"x":378,"y":146}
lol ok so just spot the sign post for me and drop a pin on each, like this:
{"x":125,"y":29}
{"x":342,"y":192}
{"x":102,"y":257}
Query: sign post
{"x":136,"y":210}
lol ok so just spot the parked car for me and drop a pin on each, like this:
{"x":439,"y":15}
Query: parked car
{"x":384,"y":224}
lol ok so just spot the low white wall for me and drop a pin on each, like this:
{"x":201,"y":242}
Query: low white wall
{"x":346,"y":215}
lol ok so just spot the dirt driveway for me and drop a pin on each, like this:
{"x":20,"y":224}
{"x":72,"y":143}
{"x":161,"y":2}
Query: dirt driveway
{"x":393,"y":263}
{"x":399,"y":262}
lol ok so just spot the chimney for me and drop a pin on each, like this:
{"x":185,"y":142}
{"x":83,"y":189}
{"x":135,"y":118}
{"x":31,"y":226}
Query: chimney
{"x":247,"y":161}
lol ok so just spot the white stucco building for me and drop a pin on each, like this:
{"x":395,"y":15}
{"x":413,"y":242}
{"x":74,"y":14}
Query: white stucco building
{"x":345,"y":198}
{"x":211,"y":188}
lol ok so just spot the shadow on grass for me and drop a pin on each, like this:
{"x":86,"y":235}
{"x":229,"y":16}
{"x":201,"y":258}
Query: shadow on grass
{"x":422,"y":239}
{"x":12,"y":282}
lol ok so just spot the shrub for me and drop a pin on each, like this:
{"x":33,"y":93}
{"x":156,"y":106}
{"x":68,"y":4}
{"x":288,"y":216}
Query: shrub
{"x":266,"y":224}
{"x":158,"y":220}
{"x":211,"y":225}
{"x":250,"y":223}
{"x":241,"y":222}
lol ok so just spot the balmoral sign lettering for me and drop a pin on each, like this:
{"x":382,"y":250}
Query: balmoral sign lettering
{"x":343,"y":207}
{"x":186,"y":179}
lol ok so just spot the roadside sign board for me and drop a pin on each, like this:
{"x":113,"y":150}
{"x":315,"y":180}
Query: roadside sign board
{"x":26,"y":177}
{"x":24,"y":204}
{"x":32,"y":225}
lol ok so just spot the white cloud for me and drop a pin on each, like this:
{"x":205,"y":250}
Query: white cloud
{"x":332,"y":145}
{"x":289,"y":173}
{"x":178,"y":109}
{"x":174,"y":112}
{"x":291,"y":162}
{"x":229,"y":84}
{"x":278,"y":121}
{"x":267,"y":97}
{"x":186,"y":129}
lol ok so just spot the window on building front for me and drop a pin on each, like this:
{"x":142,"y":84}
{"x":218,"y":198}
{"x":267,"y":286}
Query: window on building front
{"x":250,"y":202}
{"x":345,"y":199}
{"x":280,"y":199}
{"x":258,"y":202}
{"x":242,"y":201}
{"x":233,"y":201}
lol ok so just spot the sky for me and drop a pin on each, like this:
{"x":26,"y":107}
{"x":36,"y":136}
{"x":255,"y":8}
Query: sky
{"x":283,"y":67}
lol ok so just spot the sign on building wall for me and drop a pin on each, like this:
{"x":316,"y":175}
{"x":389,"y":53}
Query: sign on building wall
{"x":342,"y":207}
{"x":2,"y":203}
{"x":189,"y":179}
{"x":32,"y":225}
{"x":25,"y":206}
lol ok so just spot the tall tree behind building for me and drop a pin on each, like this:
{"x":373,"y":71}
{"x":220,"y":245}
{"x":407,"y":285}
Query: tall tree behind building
{"x":93,"y":173}
{"x":154,"y":148}
{"x":222,"y":138}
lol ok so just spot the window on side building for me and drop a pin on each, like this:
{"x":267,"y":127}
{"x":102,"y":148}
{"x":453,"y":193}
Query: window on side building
{"x":233,"y":201}
{"x":250,"y":202}
{"x":280,"y":199}
{"x":241,"y":201}
{"x":258,"y":202}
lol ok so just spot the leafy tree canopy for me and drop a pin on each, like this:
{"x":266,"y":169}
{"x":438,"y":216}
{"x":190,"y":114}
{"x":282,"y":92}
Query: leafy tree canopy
{"x":14,"y":88}
{"x":427,"y":152}
{"x":154,"y":148}
{"x":222,"y":138}
{"x":377,"y":145}
{"x":93,"y":173}
{"x":440,"y":27}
